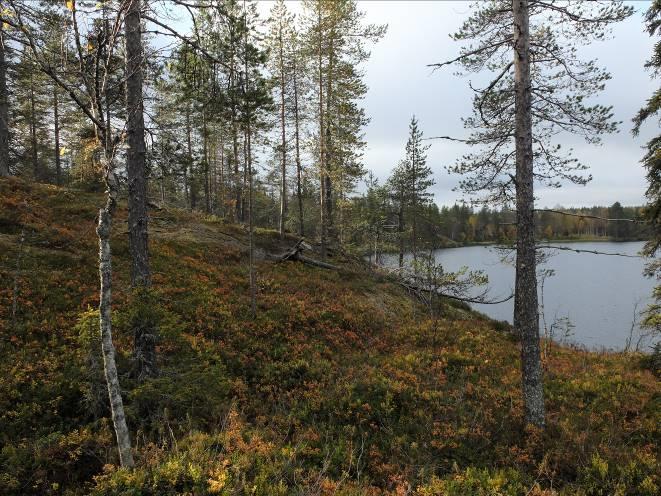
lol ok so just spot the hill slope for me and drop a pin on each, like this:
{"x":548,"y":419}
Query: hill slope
{"x":341,"y":385}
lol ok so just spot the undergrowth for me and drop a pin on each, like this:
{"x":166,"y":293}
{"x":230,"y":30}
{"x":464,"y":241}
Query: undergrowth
{"x":341,"y":385}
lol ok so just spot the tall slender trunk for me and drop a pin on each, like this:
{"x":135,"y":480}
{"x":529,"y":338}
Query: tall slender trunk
{"x":328,"y":145}
{"x":248,"y":170}
{"x":233,"y":87}
{"x":213,"y":159}
{"x":251,"y":241}
{"x":298,"y":153}
{"x":4,"y":108}
{"x":221,"y":199}
{"x":105,"y":317}
{"x":283,"y":142}
{"x":33,"y":133}
{"x":205,"y":157}
{"x":144,"y":334}
{"x":414,"y":208}
{"x":400,"y":230}
{"x":235,"y":159}
{"x":189,"y":149}
{"x":526,"y":317}
{"x":56,"y":129}
{"x":322,"y":154}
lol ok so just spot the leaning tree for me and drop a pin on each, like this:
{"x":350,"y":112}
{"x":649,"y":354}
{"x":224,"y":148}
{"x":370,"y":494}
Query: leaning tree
{"x":539,"y":88}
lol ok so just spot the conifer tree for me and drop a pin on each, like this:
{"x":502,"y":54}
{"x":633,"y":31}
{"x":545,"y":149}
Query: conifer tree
{"x":418,"y":177}
{"x":652,"y":163}
{"x":4,"y":104}
{"x":539,"y":89}
{"x":335,"y":39}
{"x":279,"y":36}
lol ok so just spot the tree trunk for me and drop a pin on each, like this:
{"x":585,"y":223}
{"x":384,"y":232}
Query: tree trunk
{"x":283,"y":143}
{"x":253,"y":282}
{"x":33,"y":134}
{"x":189,"y":147}
{"x":298,"y":155}
{"x":247,"y":169}
{"x":144,"y":335}
{"x":235,"y":158}
{"x":322,"y":154}
{"x":526,"y":317}
{"x":105,"y":321}
{"x":328,"y":142}
{"x":221,"y":199}
{"x":205,"y":157}
{"x":414,"y":208}
{"x":400,"y":231}
{"x":4,"y":109}
{"x":56,"y":129}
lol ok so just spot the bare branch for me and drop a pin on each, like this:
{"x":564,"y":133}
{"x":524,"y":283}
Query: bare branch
{"x":635,"y":221}
{"x":577,"y":250}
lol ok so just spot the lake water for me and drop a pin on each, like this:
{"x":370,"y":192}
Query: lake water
{"x":598,"y":294}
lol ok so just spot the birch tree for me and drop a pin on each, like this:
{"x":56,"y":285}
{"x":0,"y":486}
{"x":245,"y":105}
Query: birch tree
{"x":88,"y":93}
{"x":540,"y":87}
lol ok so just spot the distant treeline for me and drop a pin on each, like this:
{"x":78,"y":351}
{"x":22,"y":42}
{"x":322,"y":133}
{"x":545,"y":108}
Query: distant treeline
{"x":465,"y":224}
{"x":462,"y":224}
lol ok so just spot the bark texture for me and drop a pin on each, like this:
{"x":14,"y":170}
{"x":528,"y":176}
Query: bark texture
{"x":526,"y":317}
{"x":144,"y":335}
{"x":105,"y":323}
{"x":4,"y":110}
{"x":136,"y":153}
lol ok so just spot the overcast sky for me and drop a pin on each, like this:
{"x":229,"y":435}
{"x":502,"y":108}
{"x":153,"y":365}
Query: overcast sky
{"x":401,"y":84}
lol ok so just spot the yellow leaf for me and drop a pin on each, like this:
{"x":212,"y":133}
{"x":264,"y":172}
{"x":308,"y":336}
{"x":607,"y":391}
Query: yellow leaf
{"x":69,"y":4}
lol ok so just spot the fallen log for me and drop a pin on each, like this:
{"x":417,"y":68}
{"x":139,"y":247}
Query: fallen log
{"x":295,"y":254}
{"x":316,"y":263}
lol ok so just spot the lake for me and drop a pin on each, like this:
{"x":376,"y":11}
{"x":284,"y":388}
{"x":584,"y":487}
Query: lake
{"x":597,"y":294}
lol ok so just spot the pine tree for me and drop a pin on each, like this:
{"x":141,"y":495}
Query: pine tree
{"x":4,"y":104}
{"x":29,"y":119}
{"x":335,"y":39}
{"x":539,"y":92}
{"x":652,"y":163}
{"x":279,"y":36}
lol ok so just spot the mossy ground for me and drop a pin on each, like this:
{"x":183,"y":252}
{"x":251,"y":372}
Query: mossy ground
{"x":341,"y":385}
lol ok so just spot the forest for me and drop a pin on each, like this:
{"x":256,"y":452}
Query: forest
{"x":193,"y":298}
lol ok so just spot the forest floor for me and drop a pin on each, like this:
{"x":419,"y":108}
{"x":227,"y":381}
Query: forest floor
{"x":341,"y":385}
